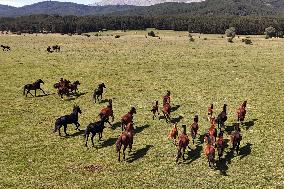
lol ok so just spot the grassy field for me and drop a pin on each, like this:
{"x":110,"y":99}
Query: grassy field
{"x":137,"y":71}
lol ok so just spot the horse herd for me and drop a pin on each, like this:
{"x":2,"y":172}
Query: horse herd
{"x":212,"y":140}
{"x":5,"y":47}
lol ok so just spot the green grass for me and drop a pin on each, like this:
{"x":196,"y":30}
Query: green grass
{"x":137,"y":71}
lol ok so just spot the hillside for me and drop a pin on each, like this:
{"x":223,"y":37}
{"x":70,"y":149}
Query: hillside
{"x":209,"y":7}
{"x":140,"y":2}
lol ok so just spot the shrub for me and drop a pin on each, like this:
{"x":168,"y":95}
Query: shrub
{"x":152,"y":34}
{"x":205,"y":38}
{"x":117,"y":36}
{"x":270,"y":32}
{"x":231,"y":32}
{"x":248,"y":41}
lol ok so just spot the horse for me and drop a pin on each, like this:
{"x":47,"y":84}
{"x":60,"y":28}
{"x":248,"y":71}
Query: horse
{"x":155,"y":109}
{"x":68,"y":119}
{"x":99,"y":92}
{"x":241,"y":112}
{"x":194,"y":128}
{"x":34,"y":86}
{"x":125,"y":139}
{"x":208,"y":139}
{"x":94,"y":128}
{"x":210,"y":112}
{"x":210,"y":154}
{"x":56,"y":48}
{"x":220,"y":145}
{"x":6,"y":47}
{"x":213,"y":132}
{"x":107,"y":112}
{"x":174,"y":133}
{"x":222,"y":117}
{"x":167,"y":98}
{"x":127,"y":118}
{"x":49,"y":49}
{"x":74,"y":86}
{"x":167,"y":112}
{"x":63,"y":87}
{"x":182,"y":144}
{"x":236,"y":138}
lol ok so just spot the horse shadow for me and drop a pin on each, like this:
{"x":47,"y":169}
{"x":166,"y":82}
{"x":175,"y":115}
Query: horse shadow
{"x":78,"y":133}
{"x":230,"y":128}
{"x":115,"y":125}
{"x":222,"y":164}
{"x":140,"y":129}
{"x":249,"y":124}
{"x":108,"y":142}
{"x":201,"y":138}
{"x":103,"y":101}
{"x":74,"y":96}
{"x":77,"y":95}
{"x":175,"y":108}
{"x":138,"y":154}
{"x":43,"y":95}
{"x":177,"y":119}
{"x":245,"y":150}
{"x":194,"y":154}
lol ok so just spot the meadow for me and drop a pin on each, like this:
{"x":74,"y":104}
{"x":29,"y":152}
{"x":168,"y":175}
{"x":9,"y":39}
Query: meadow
{"x":137,"y":71}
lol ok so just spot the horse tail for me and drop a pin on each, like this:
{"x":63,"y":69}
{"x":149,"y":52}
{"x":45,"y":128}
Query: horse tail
{"x":57,"y":125}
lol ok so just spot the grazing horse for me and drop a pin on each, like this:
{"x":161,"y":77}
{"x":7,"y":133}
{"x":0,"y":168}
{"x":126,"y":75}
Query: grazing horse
{"x":68,"y":119}
{"x":127,"y":118}
{"x":167,"y":112}
{"x":34,"y":86}
{"x":220,"y":145}
{"x":155,"y":109}
{"x":194,"y":128}
{"x":107,"y":112}
{"x":236,"y":138}
{"x":99,"y":92}
{"x":241,"y":112}
{"x":6,"y":47}
{"x":210,"y":154}
{"x":56,"y":48}
{"x":174,"y":133}
{"x":94,"y":128}
{"x":222,"y":117}
{"x":74,"y":86}
{"x":125,"y":139}
{"x":182,"y":144}
{"x":210,"y":112}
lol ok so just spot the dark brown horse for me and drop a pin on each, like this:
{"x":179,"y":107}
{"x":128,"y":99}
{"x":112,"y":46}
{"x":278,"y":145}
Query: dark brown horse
{"x":127,"y":118}
{"x":236,"y":138}
{"x":107,"y":112}
{"x":94,"y":128}
{"x":155,"y":109}
{"x":167,"y":112}
{"x":194,"y":128}
{"x":241,"y":112}
{"x":125,"y":139}
{"x":6,"y":47}
{"x":34,"y":86}
{"x":220,"y":145}
{"x":210,"y":112}
{"x":56,"y":48}
{"x":74,"y":86}
{"x":182,"y":144}
{"x":210,"y":154}
{"x":222,"y":117}
{"x":98,"y":92}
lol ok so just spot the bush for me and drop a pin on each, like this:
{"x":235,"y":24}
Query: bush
{"x":247,"y":41}
{"x":270,"y":32}
{"x":205,"y":38}
{"x":152,"y":34}
{"x":117,"y":36}
{"x":231,"y":32}
{"x":191,"y":39}
{"x":230,"y":40}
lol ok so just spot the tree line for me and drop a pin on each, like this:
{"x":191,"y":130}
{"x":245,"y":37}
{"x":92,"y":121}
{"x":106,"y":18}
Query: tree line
{"x":247,"y":25}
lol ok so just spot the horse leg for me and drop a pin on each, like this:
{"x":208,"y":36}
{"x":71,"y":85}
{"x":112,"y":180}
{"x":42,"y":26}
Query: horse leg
{"x":119,"y":155}
{"x":35,"y":92}
{"x":29,"y":91}
{"x":178,"y":154}
{"x":42,"y":91}
{"x":130,"y":146}
{"x":59,"y":130}
{"x":77,"y":126}
{"x":92,"y":139}
{"x":87,"y":137}
{"x":183,"y":151}
{"x":65,"y":128}
{"x":124,"y":148}
{"x":238,"y":147}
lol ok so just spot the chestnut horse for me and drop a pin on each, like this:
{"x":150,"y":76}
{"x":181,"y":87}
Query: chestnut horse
{"x":210,"y":112}
{"x":182,"y":144}
{"x":34,"y":86}
{"x":127,"y":118}
{"x":167,"y":112}
{"x":125,"y":139}
{"x":174,"y":133}
{"x":220,"y":145}
{"x":155,"y":109}
{"x":210,"y":154}
{"x":107,"y":112}
{"x":194,"y":128}
{"x":74,"y":86}
{"x":241,"y":112}
{"x":236,"y":138}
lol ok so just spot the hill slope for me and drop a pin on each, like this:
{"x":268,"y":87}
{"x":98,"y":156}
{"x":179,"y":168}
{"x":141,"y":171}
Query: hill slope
{"x":140,"y":2}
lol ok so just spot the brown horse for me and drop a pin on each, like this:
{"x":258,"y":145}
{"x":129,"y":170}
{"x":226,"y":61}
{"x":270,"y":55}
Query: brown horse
{"x":210,"y":112}
{"x":194,"y":128}
{"x":127,"y":118}
{"x":210,"y":154}
{"x":220,"y":145}
{"x":241,"y":112}
{"x":62,"y":87}
{"x":125,"y":139}
{"x":174,"y":133}
{"x":222,"y":117}
{"x":107,"y":112}
{"x":74,"y":86}
{"x":155,"y":109}
{"x":34,"y":86}
{"x":167,"y":98}
{"x":182,"y":144}
{"x":167,"y":112}
{"x":236,"y":138}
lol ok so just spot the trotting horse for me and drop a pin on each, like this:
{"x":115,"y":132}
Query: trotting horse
{"x":68,"y":119}
{"x":127,"y":118}
{"x":182,"y":144}
{"x":210,"y":154}
{"x":107,"y":112}
{"x":220,"y":145}
{"x":99,"y":92}
{"x":236,"y":138}
{"x":167,"y":112}
{"x":125,"y":139}
{"x":241,"y":112}
{"x":222,"y":117}
{"x":194,"y":128}
{"x":34,"y":86}
{"x":94,"y":128}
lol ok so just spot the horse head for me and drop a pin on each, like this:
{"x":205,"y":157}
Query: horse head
{"x":77,"y":83}
{"x":40,"y":81}
{"x":133,"y":110}
{"x":102,"y":85}
{"x":77,"y":109}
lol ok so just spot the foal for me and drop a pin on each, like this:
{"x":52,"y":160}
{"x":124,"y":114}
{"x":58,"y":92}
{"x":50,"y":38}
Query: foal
{"x":125,"y":139}
{"x":68,"y":119}
{"x":99,"y":92}
{"x":34,"y":86}
{"x":182,"y":144}
{"x":127,"y":118}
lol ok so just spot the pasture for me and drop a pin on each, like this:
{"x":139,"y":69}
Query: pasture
{"x":137,"y":71}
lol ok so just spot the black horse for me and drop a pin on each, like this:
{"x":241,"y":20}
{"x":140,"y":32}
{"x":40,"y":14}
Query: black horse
{"x":6,"y":47}
{"x":34,"y":86}
{"x":94,"y":128}
{"x":99,"y":92}
{"x":222,"y":117}
{"x":68,"y":119}
{"x":56,"y":48}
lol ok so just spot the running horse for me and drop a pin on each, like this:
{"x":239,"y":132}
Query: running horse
{"x":182,"y":144}
{"x":125,"y":140}
{"x":34,"y":87}
{"x":194,"y":128}
{"x":220,"y":145}
{"x":210,"y":154}
{"x":236,"y":138}
{"x":222,"y":117}
{"x":107,"y":112}
{"x":127,"y":118}
{"x":241,"y":112}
